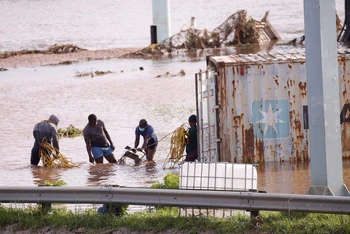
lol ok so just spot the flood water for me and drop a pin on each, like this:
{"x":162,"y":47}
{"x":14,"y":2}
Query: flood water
{"x":30,"y":94}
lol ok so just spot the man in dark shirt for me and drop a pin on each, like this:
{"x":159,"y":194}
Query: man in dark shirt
{"x":97,"y":146}
{"x":44,"y":132}
{"x":150,"y":139}
{"x":191,"y":146}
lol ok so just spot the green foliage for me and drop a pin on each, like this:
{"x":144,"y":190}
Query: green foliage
{"x":71,"y":131}
{"x":56,"y":183}
{"x":171,"y":181}
{"x":90,"y":221}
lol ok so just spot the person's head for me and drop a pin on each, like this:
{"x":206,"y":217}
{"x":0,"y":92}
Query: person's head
{"x":143,"y":125}
{"x":53,"y":118}
{"x":92,"y":120}
{"x":192,"y":120}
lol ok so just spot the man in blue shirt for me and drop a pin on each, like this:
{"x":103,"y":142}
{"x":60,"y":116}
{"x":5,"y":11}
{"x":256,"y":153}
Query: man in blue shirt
{"x":150,"y":139}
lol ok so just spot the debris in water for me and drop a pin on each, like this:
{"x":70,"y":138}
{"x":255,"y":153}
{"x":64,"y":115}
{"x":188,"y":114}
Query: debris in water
{"x":167,"y":74}
{"x":71,"y":131}
{"x":92,"y":73}
{"x":236,"y":29}
{"x":55,"y":49}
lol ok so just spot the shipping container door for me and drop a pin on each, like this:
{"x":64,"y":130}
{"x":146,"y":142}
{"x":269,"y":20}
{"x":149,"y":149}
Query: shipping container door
{"x":207,"y":116}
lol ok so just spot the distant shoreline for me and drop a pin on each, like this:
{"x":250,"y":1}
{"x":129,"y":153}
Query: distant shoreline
{"x":41,"y":59}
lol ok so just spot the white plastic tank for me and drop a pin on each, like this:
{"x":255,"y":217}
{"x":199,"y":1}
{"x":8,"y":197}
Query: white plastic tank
{"x":218,"y":176}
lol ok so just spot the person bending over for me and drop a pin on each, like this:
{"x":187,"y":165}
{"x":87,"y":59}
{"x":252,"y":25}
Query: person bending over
{"x":44,"y":132}
{"x":150,"y":140}
{"x":98,"y":142}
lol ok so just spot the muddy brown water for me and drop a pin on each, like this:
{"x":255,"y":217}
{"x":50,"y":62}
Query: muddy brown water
{"x":31,"y":89}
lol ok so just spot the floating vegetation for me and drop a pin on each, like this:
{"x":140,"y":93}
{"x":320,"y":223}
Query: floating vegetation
{"x":3,"y":69}
{"x":167,"y":74}
{"x":56,"y":183}
{"x":101,"y":73}
{"x":92,"y":73}
{"x":71,"y":131}
{"x":55,"y":49}
{"x":67,"y":62}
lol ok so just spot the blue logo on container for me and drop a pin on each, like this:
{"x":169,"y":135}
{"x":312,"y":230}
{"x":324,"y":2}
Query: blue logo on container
{"x":270,"y":118}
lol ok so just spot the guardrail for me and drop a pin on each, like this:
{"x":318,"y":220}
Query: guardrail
{"x":177,"y":197}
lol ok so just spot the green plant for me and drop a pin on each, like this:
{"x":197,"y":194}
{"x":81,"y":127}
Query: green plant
{"x":171,"y":181}
{"x":56,"y":183}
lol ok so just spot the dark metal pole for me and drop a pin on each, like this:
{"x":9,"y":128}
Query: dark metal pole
{"x":154,"y":34}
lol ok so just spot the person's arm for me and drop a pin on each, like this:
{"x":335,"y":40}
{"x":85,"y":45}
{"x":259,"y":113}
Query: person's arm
{"x":36,"y":133}
{"x":108,"y":137}
{"x":137,"y":141}
{"x":137,"y":138}
{"x":88,"y":149}
{"x":55,"y":138}
{"x":144,"y":145}
{"x":149,"y":132}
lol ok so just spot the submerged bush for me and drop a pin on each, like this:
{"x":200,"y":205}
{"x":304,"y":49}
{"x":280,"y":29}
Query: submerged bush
{"x":171,"y":181}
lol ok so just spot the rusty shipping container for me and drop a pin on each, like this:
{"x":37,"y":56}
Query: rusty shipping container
{"x":253,"y":108}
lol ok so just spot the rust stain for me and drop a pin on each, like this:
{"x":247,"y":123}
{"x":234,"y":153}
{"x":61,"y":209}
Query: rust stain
{"x":306,"y":149}
{"x":299,"y":145}
{"x":302,"y":85}
{"x":299,"y":138}
{"x":233,"y":89}
{"x":303,"y":89}
{"x":241,"y":70}
{"x":237,"y":120}
{"x":290,"y":82}
{"x":260,"y":150}
{"x":345,"y":137}
{"x":290,"y":66}
{"x":344,"y":78}
{"x":276,"y":81}
{"x":235,"y":158}
{"x":260,"y":66}
{"x":225,"y":154}
{"x":248,"y":145}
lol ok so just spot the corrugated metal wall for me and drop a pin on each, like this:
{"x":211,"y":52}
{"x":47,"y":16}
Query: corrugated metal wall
{"x":262,"y":114}
{"x":344,"y":86}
